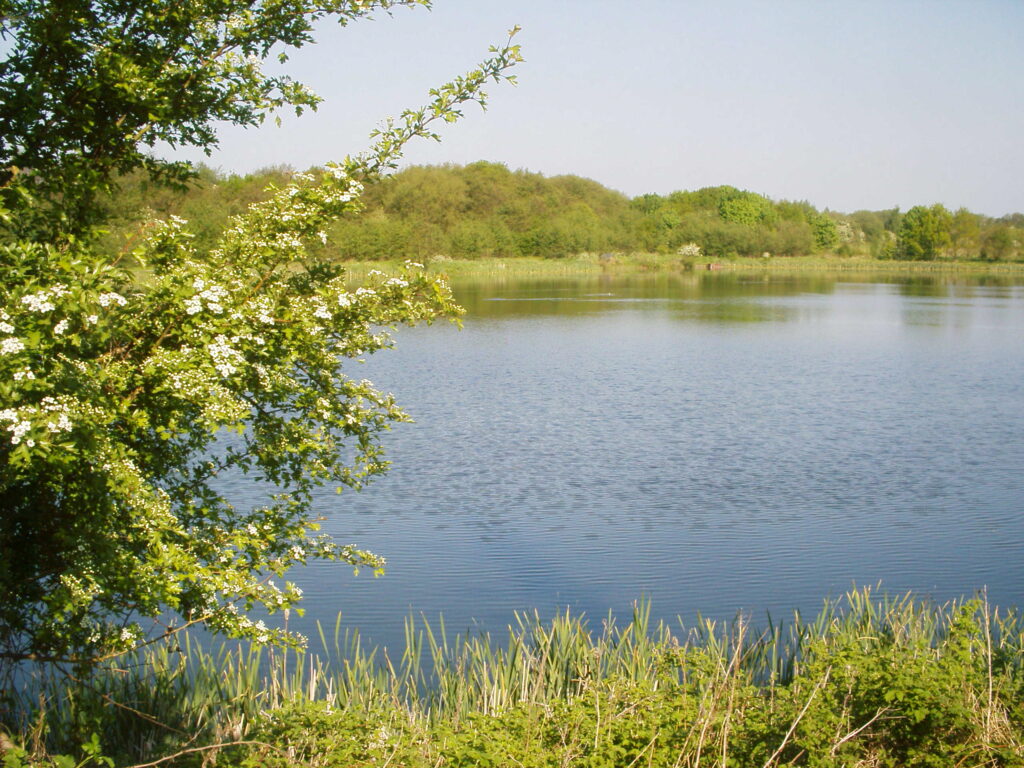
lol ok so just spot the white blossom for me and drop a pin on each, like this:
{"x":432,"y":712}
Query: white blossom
{"x":38,"y":302}
{"x":11,"y":345}
{"x":225,"y":357}
{"x":62,"y":424}
{"x":17,"y":426}
{"x":61,"y":327}
{"x":106,"y":299}
{"x":320,"y":310}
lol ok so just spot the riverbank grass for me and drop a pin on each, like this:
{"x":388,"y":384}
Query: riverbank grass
{"x":593,"y":264}
{"x":868,"y":682}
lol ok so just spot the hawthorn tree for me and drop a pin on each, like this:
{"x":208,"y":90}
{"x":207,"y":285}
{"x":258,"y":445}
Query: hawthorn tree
{"x":116,"y":390}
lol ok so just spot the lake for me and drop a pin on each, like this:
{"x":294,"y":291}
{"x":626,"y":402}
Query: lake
{"x":713,"y":442}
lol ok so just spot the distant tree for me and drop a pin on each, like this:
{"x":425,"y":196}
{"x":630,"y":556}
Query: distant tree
{"x":648,"y":203}
{"x":965,"y":233}
{"x":826,"y":234}
{"x":998,"y":243}
{"x":924,"y":232}
{"x":747,"y":208}
{"x":791,"y":238}
{"x":892,"y":218}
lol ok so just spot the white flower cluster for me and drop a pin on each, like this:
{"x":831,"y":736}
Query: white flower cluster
{"x":39,"y":302}
{"x":319,"y":308}
{"x":16,"y":426}
{"x":264,"y":307}
{"x":213,"y":295}
{"x":226,"y":358}
{"x":106,"y":299}
{"x":262,"y":632}
{"x":130,"y":634}
{"x":61,"y":327}
{"x":19,"y":420}
{"x":335,"y":171}
{"x":11,"y":345}
{"x":287,"y":240}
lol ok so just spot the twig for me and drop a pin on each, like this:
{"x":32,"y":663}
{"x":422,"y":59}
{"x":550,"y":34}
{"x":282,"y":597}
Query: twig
{"x":193,"y":750}
{"x":821,"y":684}
{"x":856,"y":731}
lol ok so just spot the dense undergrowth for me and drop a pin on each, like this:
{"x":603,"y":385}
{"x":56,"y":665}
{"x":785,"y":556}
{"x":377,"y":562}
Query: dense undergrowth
{"x":869,"y":682}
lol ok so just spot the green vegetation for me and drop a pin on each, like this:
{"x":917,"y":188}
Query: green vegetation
{"x":487,"y":211}
{"x":123,"y":399}
{"x":119,"y":396}
{"x":869,"y":681}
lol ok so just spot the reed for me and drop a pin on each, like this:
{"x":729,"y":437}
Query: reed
{"x":867,"y":670}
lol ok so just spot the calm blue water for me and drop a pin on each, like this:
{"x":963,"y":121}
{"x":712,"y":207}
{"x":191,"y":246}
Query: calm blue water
{"x":715,"y":443}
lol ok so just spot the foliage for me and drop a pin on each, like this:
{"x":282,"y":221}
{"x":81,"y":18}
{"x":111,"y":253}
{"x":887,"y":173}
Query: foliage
{"x":826,"y":234}
{"x":869,"y":681}
{"x":125,"y":395}
{"x":925,"y":232}
{"x":486,"y":210}
{"x":87,"y":87}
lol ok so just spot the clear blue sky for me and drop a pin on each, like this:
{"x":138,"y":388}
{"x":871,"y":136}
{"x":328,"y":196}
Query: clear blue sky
{"x":857,"y":104}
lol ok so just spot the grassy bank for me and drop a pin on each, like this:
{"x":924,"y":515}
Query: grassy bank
{"x":592,"y":264}
{"x":868,"y":682}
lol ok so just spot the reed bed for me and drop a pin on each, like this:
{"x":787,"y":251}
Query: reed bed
{"x":870,"y":680}
{"x":593,"y":264}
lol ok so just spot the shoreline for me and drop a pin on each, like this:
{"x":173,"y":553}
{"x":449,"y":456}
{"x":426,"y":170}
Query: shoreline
{"x":593,"y":264}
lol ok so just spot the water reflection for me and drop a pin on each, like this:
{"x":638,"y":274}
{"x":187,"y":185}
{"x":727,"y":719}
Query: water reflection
{"x":715,"y":442}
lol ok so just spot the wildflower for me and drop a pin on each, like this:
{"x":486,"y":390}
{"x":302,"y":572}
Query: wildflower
{"x":61,"y":327}
{"x":11,"y":345}
{"x":38,"y":302}
{"x":62,"y":424}
{"x":106,"y":299}
{"x":224,"y":356}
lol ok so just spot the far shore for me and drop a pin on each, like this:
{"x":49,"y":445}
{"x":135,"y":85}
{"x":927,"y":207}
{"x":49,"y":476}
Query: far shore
{"x":625,"y":263}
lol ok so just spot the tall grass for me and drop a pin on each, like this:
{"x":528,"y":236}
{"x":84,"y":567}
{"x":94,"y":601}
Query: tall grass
{"x":857,"y":664}
{"x":592,"y":264}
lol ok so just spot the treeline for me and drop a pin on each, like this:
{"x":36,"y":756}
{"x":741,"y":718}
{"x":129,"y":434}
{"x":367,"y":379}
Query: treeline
{"x":486,"y":210}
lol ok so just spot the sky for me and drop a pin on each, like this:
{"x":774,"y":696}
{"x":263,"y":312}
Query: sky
{"x":848,"y":105}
